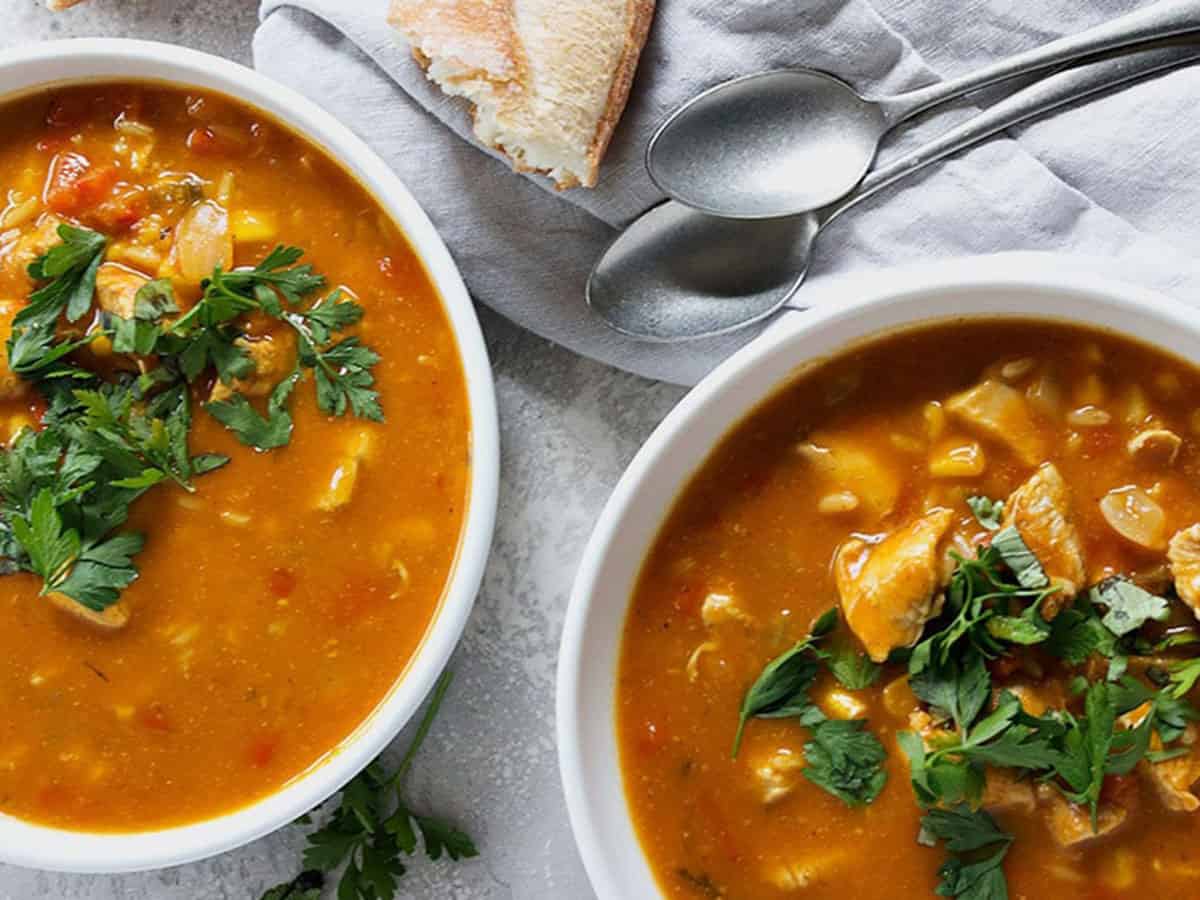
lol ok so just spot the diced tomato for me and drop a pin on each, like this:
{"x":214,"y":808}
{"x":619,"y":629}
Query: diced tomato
{"x":262,"y":750}
{"x":282,"y":582}
{"x":154,"y":717}
{"x":74,"y":185}
{"x":122,"y":212}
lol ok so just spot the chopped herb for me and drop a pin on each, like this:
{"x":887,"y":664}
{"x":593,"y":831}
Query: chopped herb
{"x":987,"y":512}
{"x":852,"y":668}
{"x":846,"y":760}
{"x":68,"y":275}
{"x":978,"y":876}
{"x":308,"y":885}
{"x":1020,"y":559}
{"x":841,"y":757}
{"x":1129,"y":606}
{"x":1183,"y":678}
{"x":251,"y":428}
{"x":373,"y":828}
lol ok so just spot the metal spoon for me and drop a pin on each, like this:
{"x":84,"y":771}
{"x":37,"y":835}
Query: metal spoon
{"x":676,"y":274}
{"x":786,"y":142}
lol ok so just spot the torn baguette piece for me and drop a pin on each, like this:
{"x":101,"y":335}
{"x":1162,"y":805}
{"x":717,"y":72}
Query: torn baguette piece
{"x":548,"y":79}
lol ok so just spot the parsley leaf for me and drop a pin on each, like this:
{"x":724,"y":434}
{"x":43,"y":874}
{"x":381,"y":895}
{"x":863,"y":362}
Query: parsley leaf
{"x":372,"y":829}
{"x":252,"y":429}
{"x":1077,"y":632}
{"x":68,"y":271}
{"x":852,"y":668}
{"x":967,"y":831}
{"x":846,"y":760}
{"x":1129,"y":606}
{"x":781,"y":689}
{"x":305,"y":886}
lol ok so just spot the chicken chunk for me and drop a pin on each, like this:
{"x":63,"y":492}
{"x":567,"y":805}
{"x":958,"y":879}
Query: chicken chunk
{"x":1173,"y":779}
{"x":1040,"y":510}
{"x":18,"y":255}
{"x":1070,"y":824}
{"x":1183,"y":554}
{"x":824,"y":867}
{"x":994,"y":410}
{"x":720,"y":607}
{"x":851,"y":469}
{"x":117,"y":287}
{"x":12,"y":386}
{"x":888,"y":592}
{"x":340,"y":488}
{"x":777,"y":775}
{"x":1004,"y":792}
{"x":274,"y":357}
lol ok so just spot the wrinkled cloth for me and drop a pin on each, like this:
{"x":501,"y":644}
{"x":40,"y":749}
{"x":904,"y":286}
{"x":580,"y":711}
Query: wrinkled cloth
{"x":1114,"y":181}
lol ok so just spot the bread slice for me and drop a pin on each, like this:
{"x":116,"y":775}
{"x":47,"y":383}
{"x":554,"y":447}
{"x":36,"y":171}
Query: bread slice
{"x":548,"y":79}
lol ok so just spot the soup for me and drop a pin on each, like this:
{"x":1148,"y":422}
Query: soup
{"x":926,"y":622}
{"x":186,"y":635}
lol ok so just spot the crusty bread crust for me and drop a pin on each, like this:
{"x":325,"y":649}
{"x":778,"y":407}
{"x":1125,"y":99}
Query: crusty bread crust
{"x":475,"y":49}
{"x":641,"y":13}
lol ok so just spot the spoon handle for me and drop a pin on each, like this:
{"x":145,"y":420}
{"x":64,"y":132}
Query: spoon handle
{"x":1038,"y":99}
{"x":1165,"y":19}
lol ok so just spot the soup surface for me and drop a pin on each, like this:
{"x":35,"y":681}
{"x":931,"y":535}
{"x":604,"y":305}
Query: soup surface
{"x":277,"y":600}
{"x":1007,"y":673}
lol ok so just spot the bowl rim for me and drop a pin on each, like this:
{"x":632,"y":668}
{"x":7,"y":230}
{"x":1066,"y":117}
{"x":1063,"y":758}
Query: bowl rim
{"x":117,"y":59}
{"x":858,"y":307}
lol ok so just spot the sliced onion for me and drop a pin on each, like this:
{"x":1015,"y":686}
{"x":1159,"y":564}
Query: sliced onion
{"x":1133,"y":514}
{"x":203,"y":241}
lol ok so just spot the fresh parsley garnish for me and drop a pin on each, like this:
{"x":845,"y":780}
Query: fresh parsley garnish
{"x":977,"y":846}
{"x":841,"y":757}
{"x":254,"y":430}
{"x":68,"y":275}
{"x":66,"y":490}
{"x":846,"y":760}
{"x":373,"y":828}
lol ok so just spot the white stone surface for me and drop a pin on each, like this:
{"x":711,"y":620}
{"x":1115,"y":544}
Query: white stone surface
{"x":569,"y":428}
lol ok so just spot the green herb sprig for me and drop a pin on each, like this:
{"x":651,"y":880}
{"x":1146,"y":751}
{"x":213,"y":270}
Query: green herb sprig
{"x":373,"y":828}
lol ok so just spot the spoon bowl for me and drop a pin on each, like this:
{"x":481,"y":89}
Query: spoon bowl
{"x":676,"y":274}
{"x":767,"y":145}
{"x":785,"y":142}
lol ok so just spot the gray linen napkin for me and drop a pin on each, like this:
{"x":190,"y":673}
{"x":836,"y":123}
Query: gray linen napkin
{"x":1116,"y":180}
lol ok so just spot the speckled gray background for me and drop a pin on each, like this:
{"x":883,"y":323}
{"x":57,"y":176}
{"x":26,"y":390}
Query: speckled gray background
{"x":569,"y":426}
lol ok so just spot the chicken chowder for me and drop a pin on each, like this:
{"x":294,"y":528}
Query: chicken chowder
{"x":235,"y":456}
{"x":925,"y":625}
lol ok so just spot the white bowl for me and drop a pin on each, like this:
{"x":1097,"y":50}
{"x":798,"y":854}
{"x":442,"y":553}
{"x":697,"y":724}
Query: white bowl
{"x":1010,"y":285}
{"x":25,"y":844}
